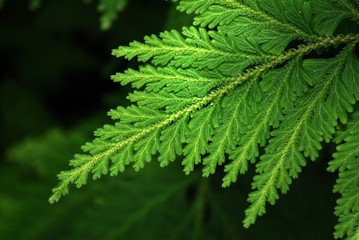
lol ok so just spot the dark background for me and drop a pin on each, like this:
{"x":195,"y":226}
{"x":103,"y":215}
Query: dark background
{"x":55,"y":90}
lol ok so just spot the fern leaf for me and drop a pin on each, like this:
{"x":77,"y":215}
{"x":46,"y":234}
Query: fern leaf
{"x":122,"y":159}
{"x":236,"y":114}
{"x":145,"y":148}
{"x":219,"y":11}
{"x":253,"y":20}
{"x":196,"y":50}
{"x":141,"y":116}
{"x":345,"y":131}
{"x":100,"y":169}
{"x":281,"y":88}
{"x":171,"y":142}
{"x":117,"y":131}
{"x":170,"y":79}
{"x":346,"y":160}
{"x":200,"y":131}
{"x":192,"y":6}
{"x":328,"y":16}
{"x":348,"y":5}
{"x":347,"y":91}
{"x":170,"y":101}
{"x":298,"y":133}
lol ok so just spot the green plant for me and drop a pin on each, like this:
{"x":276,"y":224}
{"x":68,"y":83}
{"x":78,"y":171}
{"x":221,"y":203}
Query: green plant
{"x":257,"y":78}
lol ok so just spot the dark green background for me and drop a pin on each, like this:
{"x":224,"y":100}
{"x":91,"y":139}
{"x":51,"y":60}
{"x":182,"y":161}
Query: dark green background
{"x":55,"y":91}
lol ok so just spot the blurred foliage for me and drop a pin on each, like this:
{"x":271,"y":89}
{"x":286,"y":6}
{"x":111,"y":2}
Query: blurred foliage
{"x":54,"y":91}
{"x":34,"y":4}
{"x":109,"y":10}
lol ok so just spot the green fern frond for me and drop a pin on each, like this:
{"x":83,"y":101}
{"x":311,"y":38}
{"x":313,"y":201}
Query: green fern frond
{"x":198,"y":49}
{"x":224,"y":11}
{"x":200,"y":131}
{"x":305,"y":125}
{"x":344,"y":132}
{"x":329,"y":15}
{"x":347,"y":4}
{"x":262,"y":22}
{"x":170,"y":79}
{"x":346,"y":160}
{"x":237,"y":109}
{"x":279,"y":89}
{"x":225,"y":93}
